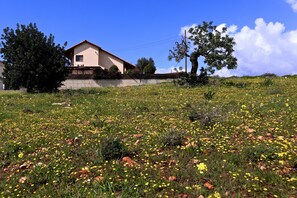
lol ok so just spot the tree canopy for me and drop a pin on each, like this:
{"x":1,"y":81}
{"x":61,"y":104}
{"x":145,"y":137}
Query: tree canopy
{"x":146,"y":65}
{"x":32,"y":60}
{"x":216,"y":46}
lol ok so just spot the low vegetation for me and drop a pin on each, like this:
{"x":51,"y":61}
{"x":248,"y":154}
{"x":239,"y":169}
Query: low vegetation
{"x":234,"y":138}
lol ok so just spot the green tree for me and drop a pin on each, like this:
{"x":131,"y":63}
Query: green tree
{"x":143,"y":62}
{"x":113,"y":69}
{"x":32,"y":60}
{"x":149,"y":69}
{"x":215,"y":46}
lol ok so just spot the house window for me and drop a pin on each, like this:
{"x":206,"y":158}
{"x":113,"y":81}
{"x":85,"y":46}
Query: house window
{"x":79,"y":58}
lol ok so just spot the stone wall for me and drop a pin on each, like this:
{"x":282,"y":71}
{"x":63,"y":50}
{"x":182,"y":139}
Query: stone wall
{"x":90,"y":83}
{"x":1,"y":84}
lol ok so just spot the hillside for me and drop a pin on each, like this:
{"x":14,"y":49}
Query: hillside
{"x":152,"y":141}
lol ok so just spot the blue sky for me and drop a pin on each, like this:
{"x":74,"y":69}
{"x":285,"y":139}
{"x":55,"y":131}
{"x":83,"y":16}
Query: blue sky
{"x":265,"y":30}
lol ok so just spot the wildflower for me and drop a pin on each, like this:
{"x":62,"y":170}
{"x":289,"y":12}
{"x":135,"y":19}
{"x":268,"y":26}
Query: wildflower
{"x":202,"y":167}
{"x":215,"y":195}
{"x":21,"y":155}
{"x":292,"y":179}
{"x":22,"y":179}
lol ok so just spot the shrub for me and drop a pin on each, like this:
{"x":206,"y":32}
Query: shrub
{"x":207,"y":117}
{"x":112,"y":73}
{"x":267,"y":82}
{"x":172,"y":138}
{"x":134,"y":73}
{"x":100,"y":73}
{"x":209,"y":94}
{"x":112,"y":148}
{"x":192,"y":80}
{"x":238,"y":85}
{"x":98,"y":122}
{"x":113,"y":69}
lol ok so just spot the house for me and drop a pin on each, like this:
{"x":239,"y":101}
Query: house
{"x":86,"y":56}
{"x":1,"y":76}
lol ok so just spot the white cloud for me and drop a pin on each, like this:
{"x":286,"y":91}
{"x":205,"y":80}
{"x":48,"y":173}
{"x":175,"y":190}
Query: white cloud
{"x":265,"y":48}
{"x":293,"y":4}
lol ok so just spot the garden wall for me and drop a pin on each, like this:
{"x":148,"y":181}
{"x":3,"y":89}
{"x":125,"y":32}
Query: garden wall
{"x":91,"y":83}
{"x":1,"y":84}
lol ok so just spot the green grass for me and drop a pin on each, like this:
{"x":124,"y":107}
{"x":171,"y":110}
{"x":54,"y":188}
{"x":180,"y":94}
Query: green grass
{"x":246,"y":135}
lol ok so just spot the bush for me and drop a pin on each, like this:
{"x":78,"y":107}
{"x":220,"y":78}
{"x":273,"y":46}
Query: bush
{"x":209,"y":94}
{"x":172,"y":138}
{"x":238,"y":85}
{"x":100,"y":73}
{"x":112,"y":148}
{"x":207,"y":117}
{"x":134,"y":73}
{"x":113,"y":69}
{"x":267,"y":82}
{"x":192,"y":80}
{"x":112,"y":73}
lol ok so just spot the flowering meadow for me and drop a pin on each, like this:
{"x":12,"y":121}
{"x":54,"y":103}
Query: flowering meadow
{"x":236,"y":137}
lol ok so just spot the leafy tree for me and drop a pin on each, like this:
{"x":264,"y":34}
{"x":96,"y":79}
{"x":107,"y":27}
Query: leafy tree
{"x":113,"y":69}
{"x":114,"y":72}
{"x":215,"y":46}
{"x":149,"y":69}
{"x":32,"y":60}
{"x":143,"y":62}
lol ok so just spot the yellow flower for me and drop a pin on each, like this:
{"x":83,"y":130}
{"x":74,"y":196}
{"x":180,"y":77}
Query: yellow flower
{"x":215,"y":195}
{"x":292,"y":179}
{"x":21,"y":155}
{"x":202,"y":167}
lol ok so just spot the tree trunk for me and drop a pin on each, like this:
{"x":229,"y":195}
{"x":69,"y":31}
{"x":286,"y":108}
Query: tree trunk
{"x":194,"y":60}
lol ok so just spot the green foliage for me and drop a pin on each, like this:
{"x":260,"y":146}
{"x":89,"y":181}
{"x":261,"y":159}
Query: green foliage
{"x":149,"y":69}
{"x":267,"y":82}
{"x":146,"y":65}
{"x":112,"y":148}
{"x":260,"y":152}
{"x":215,"y":46}
{"x":113,"y":69}
{"x":207,"y":116}
{"x":236,"y":84}
{"x":209,"y":94}
{"x":32,"y":60}
{"x":172,"y":138}
{"x":187,"y":80}
{"x":98,"y":122}
{"x":112,"y":73}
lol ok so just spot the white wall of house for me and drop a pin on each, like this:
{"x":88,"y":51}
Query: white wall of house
{"x":107,"y":60}
{"x":90,"y":55}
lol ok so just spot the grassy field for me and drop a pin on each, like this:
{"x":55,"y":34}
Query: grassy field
{"x":152,"y":141}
